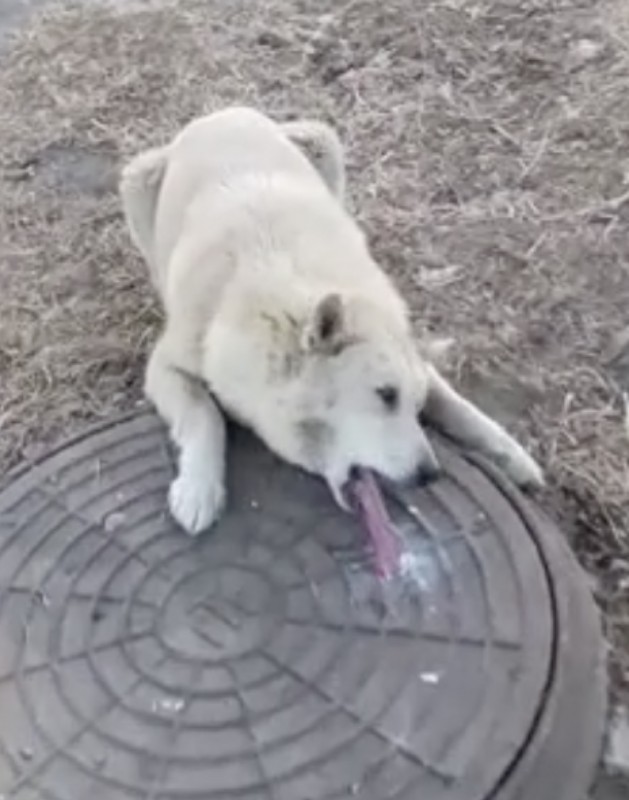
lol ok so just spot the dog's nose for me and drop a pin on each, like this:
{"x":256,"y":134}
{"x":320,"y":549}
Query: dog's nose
{"x":428,"y":473}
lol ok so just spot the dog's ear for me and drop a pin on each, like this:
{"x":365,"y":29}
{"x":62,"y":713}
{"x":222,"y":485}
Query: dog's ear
{"x":325,"y":332}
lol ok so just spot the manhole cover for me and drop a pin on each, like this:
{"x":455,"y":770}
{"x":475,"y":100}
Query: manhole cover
{"x":263,"y":660}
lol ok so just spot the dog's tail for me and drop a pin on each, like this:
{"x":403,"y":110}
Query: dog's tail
{"x":140,"y":185}
{"x":323,"y":148}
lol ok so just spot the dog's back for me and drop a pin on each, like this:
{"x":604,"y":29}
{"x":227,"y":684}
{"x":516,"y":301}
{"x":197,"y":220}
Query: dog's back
{"x":227,"y":158}
{"x":236,"y":192}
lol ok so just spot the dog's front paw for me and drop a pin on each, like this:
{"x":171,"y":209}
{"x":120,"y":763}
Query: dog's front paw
{"x":196,"y":503}
{"x":523,"y":470}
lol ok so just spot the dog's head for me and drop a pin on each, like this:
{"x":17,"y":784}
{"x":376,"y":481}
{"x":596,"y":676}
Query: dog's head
{"x":358,"y":397}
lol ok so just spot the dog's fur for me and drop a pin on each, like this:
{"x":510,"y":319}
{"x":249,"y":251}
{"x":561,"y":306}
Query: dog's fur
{"x":277,"y":314}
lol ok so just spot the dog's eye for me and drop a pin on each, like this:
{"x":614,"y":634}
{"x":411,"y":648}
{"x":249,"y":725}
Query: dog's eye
{"x":389,"y":396}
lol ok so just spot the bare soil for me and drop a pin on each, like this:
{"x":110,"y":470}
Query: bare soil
{"x":488,"y":146}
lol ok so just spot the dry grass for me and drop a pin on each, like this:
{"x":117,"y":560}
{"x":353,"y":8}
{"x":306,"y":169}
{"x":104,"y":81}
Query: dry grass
{"x":489,"y":154}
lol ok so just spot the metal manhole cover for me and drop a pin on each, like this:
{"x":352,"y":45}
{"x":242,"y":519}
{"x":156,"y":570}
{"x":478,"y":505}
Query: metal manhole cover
{"x":263,"y":660}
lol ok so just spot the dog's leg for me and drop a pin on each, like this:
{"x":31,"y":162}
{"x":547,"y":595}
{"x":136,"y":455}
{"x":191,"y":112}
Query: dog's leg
{"x":139,"y":190}
{"x":198,"y":429}
{"x":324,"y":150}
{"x":464,"y":422}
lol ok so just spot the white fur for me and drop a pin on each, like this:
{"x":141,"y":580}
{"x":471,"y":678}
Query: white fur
{"x":277,"y":314}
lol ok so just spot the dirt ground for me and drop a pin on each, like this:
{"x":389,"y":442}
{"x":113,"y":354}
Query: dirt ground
{"x":488,"y":146}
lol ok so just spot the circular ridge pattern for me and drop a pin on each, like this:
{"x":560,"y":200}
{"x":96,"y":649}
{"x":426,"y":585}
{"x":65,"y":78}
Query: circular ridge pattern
{"x":262,"y":659}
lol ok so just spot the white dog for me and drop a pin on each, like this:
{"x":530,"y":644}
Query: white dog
{"x":277,"y":314}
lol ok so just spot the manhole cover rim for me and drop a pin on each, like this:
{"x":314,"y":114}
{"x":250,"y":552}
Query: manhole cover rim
{"x":578,"y":668}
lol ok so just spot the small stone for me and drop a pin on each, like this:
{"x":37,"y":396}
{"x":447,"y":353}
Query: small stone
{"x":26,"y":753}
{"x":168,"y":705}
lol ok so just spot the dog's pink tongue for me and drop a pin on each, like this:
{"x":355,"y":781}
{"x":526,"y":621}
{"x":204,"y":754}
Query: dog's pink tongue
{"x":372,"y":511}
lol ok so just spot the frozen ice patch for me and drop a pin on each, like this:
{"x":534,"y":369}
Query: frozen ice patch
{"x":421,"y":568}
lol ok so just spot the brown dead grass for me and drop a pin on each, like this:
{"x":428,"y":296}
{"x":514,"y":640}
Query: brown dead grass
{"x":489,"y":157}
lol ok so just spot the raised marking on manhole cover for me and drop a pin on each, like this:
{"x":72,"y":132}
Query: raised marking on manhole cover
{"x":221,"y":613}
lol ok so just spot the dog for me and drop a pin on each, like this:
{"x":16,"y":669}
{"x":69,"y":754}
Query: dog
{"x":278,"y":316}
